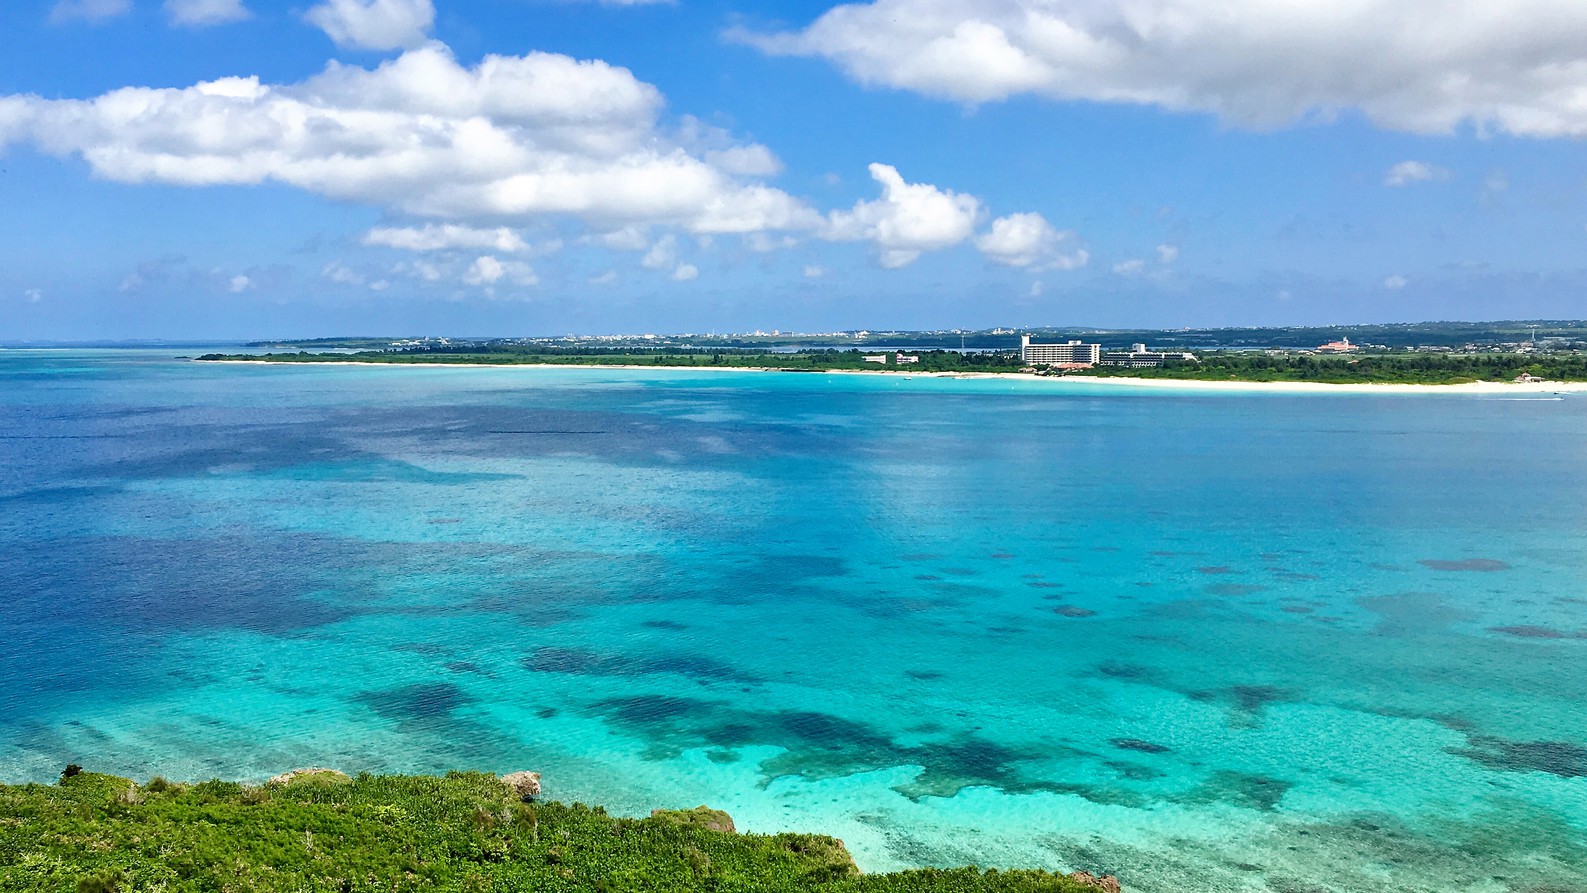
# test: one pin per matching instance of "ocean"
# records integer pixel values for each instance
(1199, 640)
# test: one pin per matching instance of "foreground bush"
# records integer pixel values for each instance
(464, 832)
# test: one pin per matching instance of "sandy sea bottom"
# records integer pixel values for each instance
(1328, 642)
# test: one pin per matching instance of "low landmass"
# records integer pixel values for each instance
(321, 830)
(1404, 367)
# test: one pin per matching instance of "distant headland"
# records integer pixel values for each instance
(1547, 353)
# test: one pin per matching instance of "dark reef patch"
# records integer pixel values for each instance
(1535, 632)
(1476, 565)
(1245, 702)
(1073, 611)
(1215, 570)
(464, 666)
(923, 675)
(819, 745)
(583, 662)
(669, 625)
(1562, 758)
(1240, 789)
(1407, 614)
(1137, 744)
(419, 707)
(1232, 590)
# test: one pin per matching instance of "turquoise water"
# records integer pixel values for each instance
(1202, 641)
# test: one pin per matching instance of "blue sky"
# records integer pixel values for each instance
(242, 168)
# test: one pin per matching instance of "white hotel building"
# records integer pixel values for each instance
(1054, 354)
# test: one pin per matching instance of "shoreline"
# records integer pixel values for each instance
(1315, 387)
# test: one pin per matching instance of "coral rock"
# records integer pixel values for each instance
(1107, 883)
(295, 774)
(527, 784)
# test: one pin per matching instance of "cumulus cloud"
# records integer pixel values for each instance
(685, 272)
(1407, 172)
(1130, 267)
(202, 13)
(446, 237)
(909, 218)
(421, 135)
(1029, 241)
(812, 271)
(1396, 282)
(487, 270)
(609, 277)
(341, 274)
(33, 295)
(1167, 254)
(239, 284)
(374, 24)
(661, 255)
(1424, 66)
(89, 10)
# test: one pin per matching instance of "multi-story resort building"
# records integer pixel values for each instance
(1069, 353)
(1138, 357)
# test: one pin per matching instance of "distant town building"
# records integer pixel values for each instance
(1138, 357)
(876, 358)
(903, 359)
(1343, 345)
(1056, 354)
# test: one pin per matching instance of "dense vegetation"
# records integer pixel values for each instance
(464, 832)
(1408, 368)
(804, 360)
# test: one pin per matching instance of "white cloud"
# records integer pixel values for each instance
(202, 13)
(418, 269)
(513, 137)
(1029, 241)
(753, 160)
(487, 270)
(661, 255)
(34, 295)
(1036, 288)
(629, 238)
(379, 285)
(374, 24)
(1407, 172)
(341, 274)
(239, 284)
(445, 237)
(812, 271)
(764, 243)
(1425, 66)
(1130, 267)
(609, 277)
(1167, 254)
(1396, 282)
(909, 218)
(89, 10)
(685, 272)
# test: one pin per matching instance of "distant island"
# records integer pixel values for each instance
(318, 829)
(1423, 354)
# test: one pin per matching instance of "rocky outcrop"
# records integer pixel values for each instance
(1107, 883)
(698, 817)
(294, 774)
(525, 784)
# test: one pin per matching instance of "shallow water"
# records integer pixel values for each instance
(1234, 641)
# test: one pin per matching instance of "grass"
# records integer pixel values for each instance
(463, 832)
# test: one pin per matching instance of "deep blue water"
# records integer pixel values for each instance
(1201, 640)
